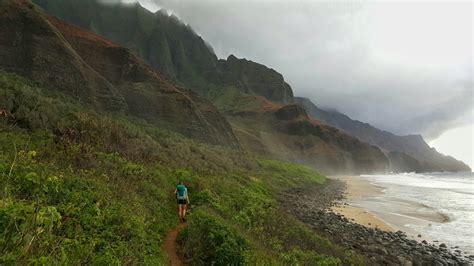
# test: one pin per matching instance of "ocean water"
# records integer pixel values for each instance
(439, 206)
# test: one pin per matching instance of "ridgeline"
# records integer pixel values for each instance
(101, 119)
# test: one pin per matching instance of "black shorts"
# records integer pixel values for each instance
(182, 201)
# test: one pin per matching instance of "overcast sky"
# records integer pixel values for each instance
(402, 66)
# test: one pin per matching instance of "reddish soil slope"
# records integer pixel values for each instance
(101, 73)
(287, 132)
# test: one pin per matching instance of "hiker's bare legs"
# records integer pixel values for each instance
(180, 212)
(184, 210)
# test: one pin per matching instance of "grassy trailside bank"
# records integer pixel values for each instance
(81, 187)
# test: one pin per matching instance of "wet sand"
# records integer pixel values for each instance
(313, 206)
(356, 189)
(364, 205)
(362, 217)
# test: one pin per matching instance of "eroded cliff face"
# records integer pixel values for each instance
(102, 74)
(161, 40)
(254, 78)
(406, 153)
(31, 46)
(171, 47)
(287, 132)
(245, 91)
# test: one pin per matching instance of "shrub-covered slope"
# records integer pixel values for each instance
(406, 153)
(234, 85)
(173, 48)
(288, 133)
(101, 74)
(170, 46)
(85, 187)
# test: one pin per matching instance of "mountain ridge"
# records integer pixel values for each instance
(235, 86)
(411, 150)
(168, 45)
(93, 141)
(287, 132)
(101, 74)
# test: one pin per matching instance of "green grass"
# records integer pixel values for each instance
(81, 187)
(232, 100)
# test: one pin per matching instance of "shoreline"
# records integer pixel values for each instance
(363, 217)
(360, 194)
(313, 205)
(356, 189)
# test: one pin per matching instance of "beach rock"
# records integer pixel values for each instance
(311, 205)
(403, 261)
(382, 251)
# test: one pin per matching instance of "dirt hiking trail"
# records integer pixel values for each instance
(169, 246)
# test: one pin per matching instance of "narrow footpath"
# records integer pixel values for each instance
(169, 246)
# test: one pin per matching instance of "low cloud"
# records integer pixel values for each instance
(404, 67)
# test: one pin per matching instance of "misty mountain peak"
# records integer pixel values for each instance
(232, 57)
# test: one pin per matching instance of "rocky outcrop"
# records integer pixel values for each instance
(403, 163)
(160, 39)
(311, 205)
(171, 47)
(287, 133)
(238, 87)
(102, 74)
(254, 78)
(290, 112)
(407, 153)
(32, 47)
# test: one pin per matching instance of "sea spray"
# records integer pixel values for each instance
(438, 206)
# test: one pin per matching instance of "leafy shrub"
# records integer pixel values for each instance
(50, 214)
(284, 174)
(82, 187)
(298, 257)
(207, 240)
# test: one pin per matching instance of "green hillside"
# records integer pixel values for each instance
(237, 87)
(162, 41)
(84, 187)
(96, 131)
(170, 46)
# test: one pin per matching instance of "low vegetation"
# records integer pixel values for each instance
(83, 187)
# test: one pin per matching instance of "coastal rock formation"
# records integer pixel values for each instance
(237, 87)
(290, 112)
(254, 78)
(102, 74)
(251, 95)
(406, 153)
(312, 205)
(288, 133)
(32, 47)
(402, 162)
(171, 47)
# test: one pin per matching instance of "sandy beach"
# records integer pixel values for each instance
(367, 221)
(363, 205)
(358, 188)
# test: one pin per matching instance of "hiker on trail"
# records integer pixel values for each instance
(182, 198)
